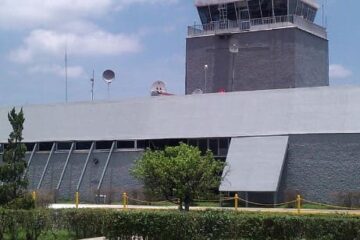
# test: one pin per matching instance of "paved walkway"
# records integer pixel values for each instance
(268, 210)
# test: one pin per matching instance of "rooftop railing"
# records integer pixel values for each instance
(225, 27)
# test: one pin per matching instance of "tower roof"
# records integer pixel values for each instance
(200, 3)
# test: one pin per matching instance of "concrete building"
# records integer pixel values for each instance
(254, 45)
(290, 134)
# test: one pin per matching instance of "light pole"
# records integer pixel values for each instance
(206, 67)
(233, 49)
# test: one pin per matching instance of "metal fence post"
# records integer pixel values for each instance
(33, 196)
(125, 200)
(77, 199)
(236, 201)
(298, 203)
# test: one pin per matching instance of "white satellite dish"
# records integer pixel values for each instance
(108, 76)
(197, 91)
(234, 48)
(158, 88)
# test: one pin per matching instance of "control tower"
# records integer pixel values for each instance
(242, 45)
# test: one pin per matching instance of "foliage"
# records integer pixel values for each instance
(169, 225)
(12, 171)
(179, 172)
(24, 202)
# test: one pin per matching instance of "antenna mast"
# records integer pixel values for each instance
(92, 85)
(66, 74)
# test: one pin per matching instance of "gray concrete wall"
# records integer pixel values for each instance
(282, 58)
(36, 169)
(320, 167)
(118, 180)
(72, 175)
(53, 173)
(311, 60)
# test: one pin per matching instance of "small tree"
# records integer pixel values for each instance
(179, 172)
(12, 182)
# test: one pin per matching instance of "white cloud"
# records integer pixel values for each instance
(338, 71)
(73, 71)
(32, 13)
(44, 13)
(46, 42)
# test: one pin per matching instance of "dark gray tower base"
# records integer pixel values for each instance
(267, 59)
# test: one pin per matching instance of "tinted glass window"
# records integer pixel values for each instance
(204, 14)
(231, 12)
(223, 146)
(266, 8)
(83, 145)
(104, 145)
(193, 142)
(213, 146)
(214, 12)
(143, 144)
(29, 147)
(64, 146)
(280, 7)
(254, 8)
(203, 145)
(45, 146)
(126, 144)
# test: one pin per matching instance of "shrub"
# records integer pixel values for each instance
(25, 202)
(42, 224)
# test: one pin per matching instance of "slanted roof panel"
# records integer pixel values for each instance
(254, 164)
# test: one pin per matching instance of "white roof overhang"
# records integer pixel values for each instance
(238, 114)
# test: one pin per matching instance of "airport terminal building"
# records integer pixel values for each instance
(266, 109)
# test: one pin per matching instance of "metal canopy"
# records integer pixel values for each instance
(254, 164)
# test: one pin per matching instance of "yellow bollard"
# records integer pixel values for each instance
(125, 200)
(298, 203)
(77, 199)
(236, 201)
(33, 195)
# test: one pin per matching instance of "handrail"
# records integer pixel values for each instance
(230, 26)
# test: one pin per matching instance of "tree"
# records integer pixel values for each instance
(13, 183)
(179, 172)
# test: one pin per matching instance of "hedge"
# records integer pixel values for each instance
(82, 223)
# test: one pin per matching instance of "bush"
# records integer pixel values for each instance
(45, 224)
(26, 202)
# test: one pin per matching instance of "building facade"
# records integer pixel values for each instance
(278, 125)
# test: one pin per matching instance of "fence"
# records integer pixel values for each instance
(236, 200)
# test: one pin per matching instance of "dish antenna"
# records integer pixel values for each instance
(197, 91)
(234, 48)
(158, 88)
(108, 76)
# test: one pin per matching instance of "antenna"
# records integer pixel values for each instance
(158, 88)
(326, 16)
(92, 85)
(66, 74)
(197, 91)
(108, 76)
(323, 13)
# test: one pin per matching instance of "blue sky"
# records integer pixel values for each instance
(141, 40)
